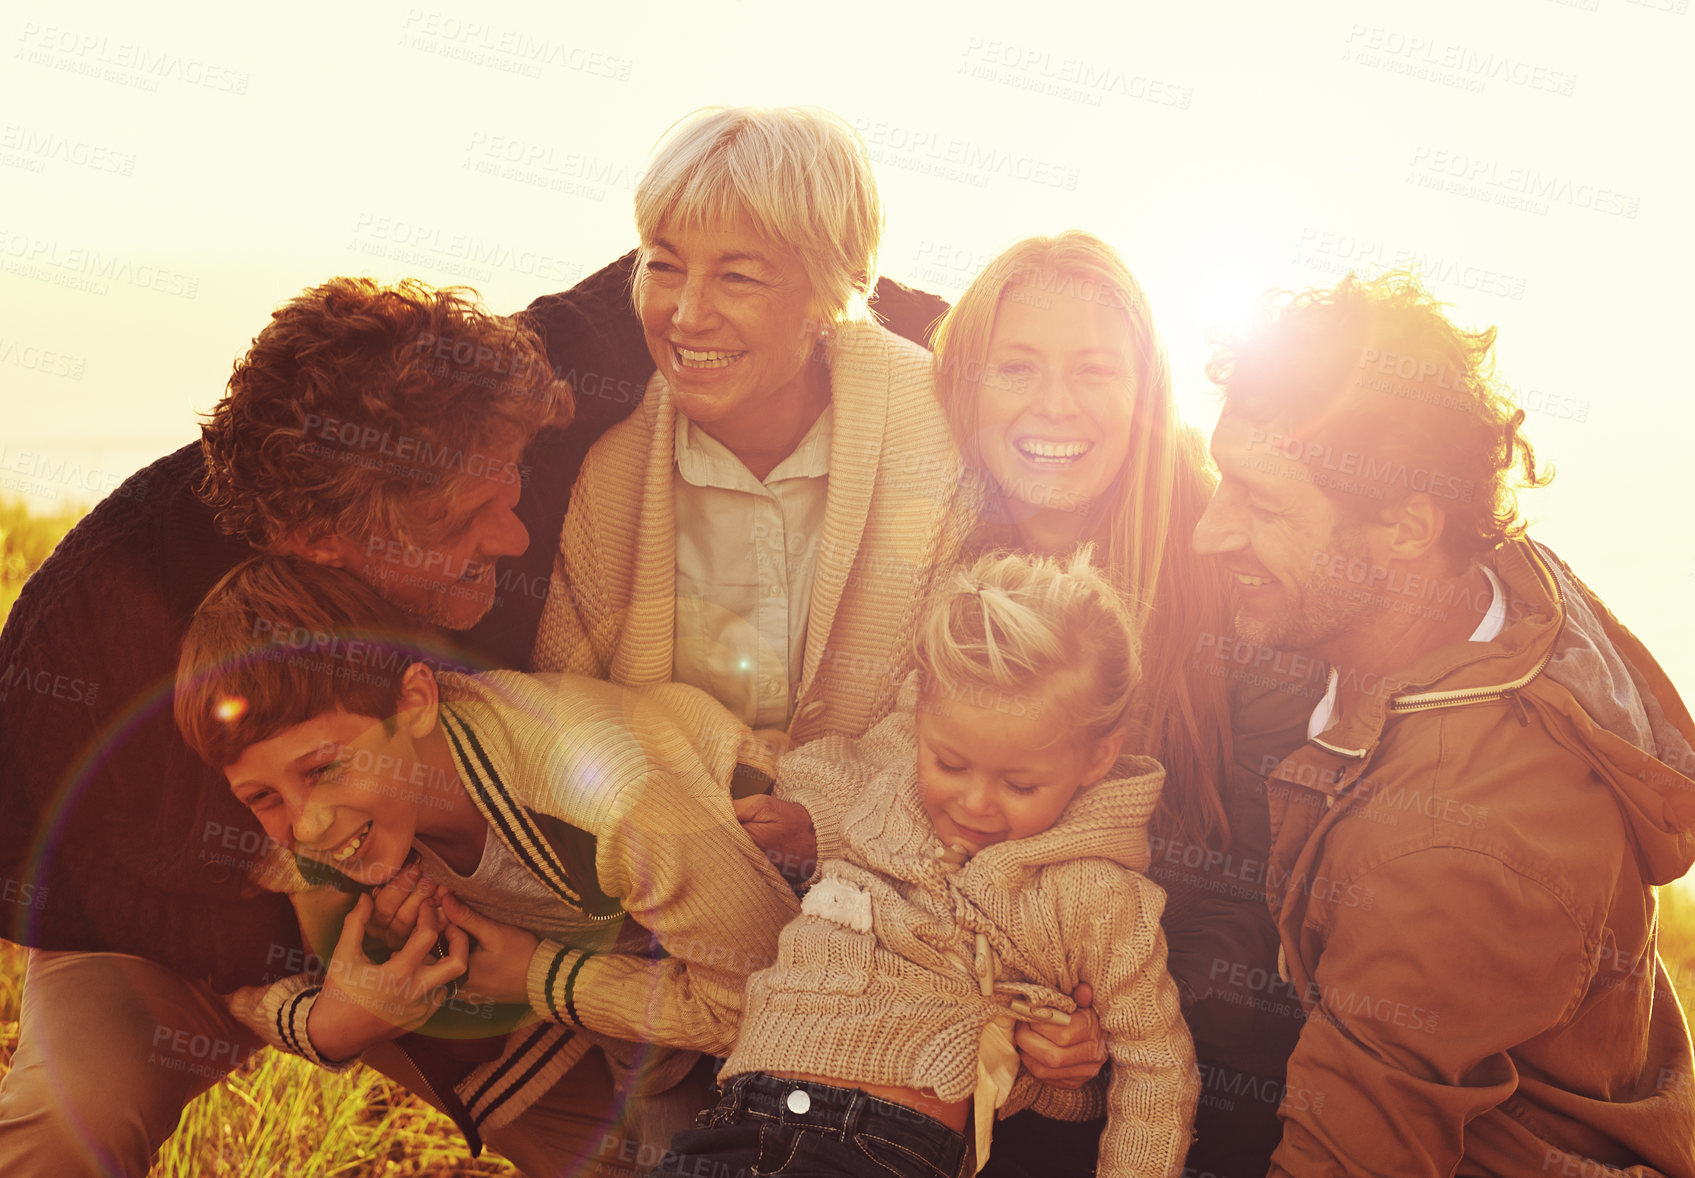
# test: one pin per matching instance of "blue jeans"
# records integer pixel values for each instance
(765, 1125)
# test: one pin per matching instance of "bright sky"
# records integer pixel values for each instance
(171, 174)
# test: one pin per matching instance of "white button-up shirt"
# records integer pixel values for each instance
(746, 552)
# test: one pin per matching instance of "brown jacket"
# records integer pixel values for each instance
(1461, 873)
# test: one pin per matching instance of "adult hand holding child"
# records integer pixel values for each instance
(364, 1003)
(1064, 1055)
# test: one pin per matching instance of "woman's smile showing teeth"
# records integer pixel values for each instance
(1045, 450)
(691, 358)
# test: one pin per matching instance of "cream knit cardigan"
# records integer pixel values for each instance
(893, 517)
(876, 984)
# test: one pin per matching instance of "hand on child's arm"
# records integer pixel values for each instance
(1068, 1056)
(499, 955)
(783, 830)
(364, 1003)
(398, 903)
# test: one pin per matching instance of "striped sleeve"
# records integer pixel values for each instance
(278, 1014)
(685, 871)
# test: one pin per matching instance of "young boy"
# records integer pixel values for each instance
(555, 805)
(983, 849)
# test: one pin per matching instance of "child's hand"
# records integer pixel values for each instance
(499, 956)
(784, 831)
(364, 1003)
(399, 902)
(1064, 1057)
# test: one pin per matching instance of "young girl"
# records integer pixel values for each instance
(982, 853)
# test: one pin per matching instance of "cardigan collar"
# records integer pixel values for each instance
(860, 381)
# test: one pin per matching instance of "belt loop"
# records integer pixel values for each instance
(736, 1090)
(856, 1107)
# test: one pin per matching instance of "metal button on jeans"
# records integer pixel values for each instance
(799, 1101)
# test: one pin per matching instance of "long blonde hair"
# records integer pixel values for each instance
(1182, 714)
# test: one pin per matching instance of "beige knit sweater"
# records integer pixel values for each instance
(647, 772)
(900, 1005)
(891, 520)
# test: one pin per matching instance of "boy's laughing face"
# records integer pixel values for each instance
(340, 788)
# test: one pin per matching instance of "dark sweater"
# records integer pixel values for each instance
(117, 837)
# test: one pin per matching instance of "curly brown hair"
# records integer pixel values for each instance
(1372, 379)
(361, 409)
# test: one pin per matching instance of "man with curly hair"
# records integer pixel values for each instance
(380, 429)
(1465, 850)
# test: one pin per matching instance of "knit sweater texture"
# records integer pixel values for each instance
(681, 906)
(898, 1004)
(892, 518)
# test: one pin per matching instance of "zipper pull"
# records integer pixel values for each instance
(1518, 708)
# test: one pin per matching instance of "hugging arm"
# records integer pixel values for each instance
(1154, 1087)
(683, 869)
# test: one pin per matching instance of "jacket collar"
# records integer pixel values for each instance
(1462, 673)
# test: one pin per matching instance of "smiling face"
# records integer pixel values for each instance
(340, 789)
(1006, 769)
(1057, 398)
(449, 579)
(1284, 542)
(730, 321)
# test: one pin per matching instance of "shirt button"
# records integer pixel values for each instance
(799, 1101)
(773, 688)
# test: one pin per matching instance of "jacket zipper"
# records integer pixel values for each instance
(1508, 691)
(1442, 699)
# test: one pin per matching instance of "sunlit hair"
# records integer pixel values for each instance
(801, 176)
(1375, 370)
(1031, 626)
(1141, 534)
(280, 640)
(361, 410)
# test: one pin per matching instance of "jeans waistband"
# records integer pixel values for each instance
(843, 1112)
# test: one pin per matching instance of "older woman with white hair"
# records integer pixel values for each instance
(765, 524)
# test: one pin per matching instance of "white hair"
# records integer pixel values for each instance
(802, 177)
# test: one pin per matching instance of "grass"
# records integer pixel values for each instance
(1677, 940)
(25, 541)
(280, 1117)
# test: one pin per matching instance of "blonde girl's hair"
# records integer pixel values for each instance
(1024, 626)
(1141, 535)
(801, 175)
